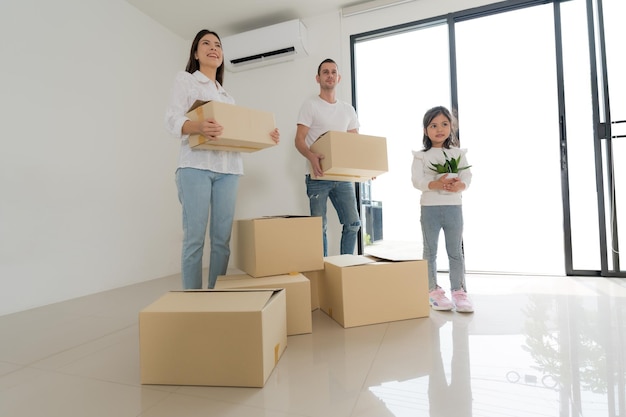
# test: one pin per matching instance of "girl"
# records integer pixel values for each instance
(207, 180)
(441, 204)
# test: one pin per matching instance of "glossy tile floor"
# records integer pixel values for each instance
(536, 346)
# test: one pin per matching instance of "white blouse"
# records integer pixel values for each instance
(186, 90)
(422, 175)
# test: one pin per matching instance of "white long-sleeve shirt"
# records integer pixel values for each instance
(186, 90)
(422, 175)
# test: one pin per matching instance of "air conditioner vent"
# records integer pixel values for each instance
(281, 52)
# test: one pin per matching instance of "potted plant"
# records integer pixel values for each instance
(449, 167)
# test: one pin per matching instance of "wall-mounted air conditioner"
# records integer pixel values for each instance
(268, 45)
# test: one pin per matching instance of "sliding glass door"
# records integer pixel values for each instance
(541, 110)
(507, 101)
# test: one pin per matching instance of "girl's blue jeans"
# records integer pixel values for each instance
(450, 220)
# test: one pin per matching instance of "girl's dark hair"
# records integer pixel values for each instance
(453, 139)
(193, 65)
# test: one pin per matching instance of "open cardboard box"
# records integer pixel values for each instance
(213, 337)
(358, 290)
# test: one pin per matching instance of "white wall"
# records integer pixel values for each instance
(88, 200)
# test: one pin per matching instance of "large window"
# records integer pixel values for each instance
(524, 94)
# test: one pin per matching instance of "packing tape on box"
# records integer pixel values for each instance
(276, 353)
(340, 175)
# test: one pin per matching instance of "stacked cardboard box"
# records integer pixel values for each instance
(279, 245)
(314, 278)
(297, 291)
(274, 252)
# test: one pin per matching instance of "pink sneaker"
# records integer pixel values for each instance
(439, 301)
(462, 303)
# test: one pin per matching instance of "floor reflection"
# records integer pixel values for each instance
(548, 355)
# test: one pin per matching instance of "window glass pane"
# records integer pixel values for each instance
(615, 33)
(508, 119)
(399, 77)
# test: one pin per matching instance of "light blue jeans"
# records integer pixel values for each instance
(343, 197)
(450, 219)
(202, 192)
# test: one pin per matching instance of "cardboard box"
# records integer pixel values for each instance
(245, 130)
(213, 337)
(314, 278)
(358, 290)
(297, 290)
(351, 156)
(279, 245)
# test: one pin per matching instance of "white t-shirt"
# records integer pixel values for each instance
(321, 116)
(186, 90)
(422, 175)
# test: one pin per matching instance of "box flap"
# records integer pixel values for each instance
(212, 301)
(282, 216)
(197, 104)
(275, 281)
(343, 261)
(404, 252)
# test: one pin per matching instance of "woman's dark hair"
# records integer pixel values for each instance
(193, 65)
(453, 139)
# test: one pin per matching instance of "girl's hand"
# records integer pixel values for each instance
(456, 186)
(452, 185)
(210, 129)
(275, 134)
(446, 184)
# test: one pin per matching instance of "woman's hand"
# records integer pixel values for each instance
(210, 129)
(275, 134)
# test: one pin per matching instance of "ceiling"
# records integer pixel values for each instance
(187, 17)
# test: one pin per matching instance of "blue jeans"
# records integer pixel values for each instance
(200, 192)
(343, 197)
(450, 219)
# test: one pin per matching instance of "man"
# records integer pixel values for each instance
(318, 115)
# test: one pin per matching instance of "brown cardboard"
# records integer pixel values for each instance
(351, 156)
(314, 277)
(357, 290)
(213, 337)
(245, 130)
(277, 245)
(297, 291)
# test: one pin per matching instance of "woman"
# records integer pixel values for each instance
(207, 180)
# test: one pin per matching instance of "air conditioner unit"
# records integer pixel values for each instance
(268, 45)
